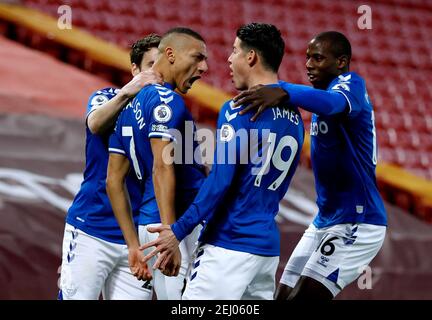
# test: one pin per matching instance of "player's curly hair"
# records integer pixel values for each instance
(142, 46)
(266, 39)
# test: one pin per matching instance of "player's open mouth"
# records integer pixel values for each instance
(231, 74)
(311, 77)
(192, 80)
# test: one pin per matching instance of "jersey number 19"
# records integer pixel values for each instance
(274, 155)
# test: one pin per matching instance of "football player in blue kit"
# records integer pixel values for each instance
(253, 166)
(94, 258)
(152, 125)
(350, 226)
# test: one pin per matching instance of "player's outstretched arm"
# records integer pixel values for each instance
(318, 101)
(118, 168)
(103, 117)
(203, 207)
(164, 182)
(260, 98)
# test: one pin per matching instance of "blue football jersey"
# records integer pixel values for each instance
(91, 210)
(344, 157)
(159, 112)
(253, 166)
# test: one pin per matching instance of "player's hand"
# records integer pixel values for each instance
(138, 268)
(170, 264)
(139, 81)
(166, 244)
(259, 97)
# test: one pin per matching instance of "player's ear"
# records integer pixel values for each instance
(342, 62)
(135, 69)
(252, 57)
(169, 52)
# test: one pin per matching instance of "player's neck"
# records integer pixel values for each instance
(342, 71)
(164, 70)
(263, 77)
(325, 85)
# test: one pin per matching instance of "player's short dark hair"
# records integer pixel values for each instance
(266, 40)
(339, 44)
(142, 46)
(184, 30)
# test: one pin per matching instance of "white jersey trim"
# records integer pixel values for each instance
(346, 97)
(115, 150)
(161, 135)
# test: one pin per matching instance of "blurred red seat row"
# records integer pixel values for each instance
(395, 57)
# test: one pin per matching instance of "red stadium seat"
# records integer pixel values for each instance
(394, 57)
